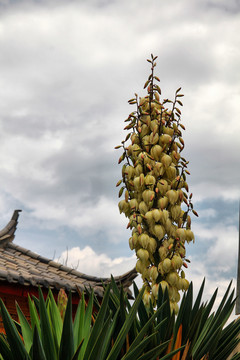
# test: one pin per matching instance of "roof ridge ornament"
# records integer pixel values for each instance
(7, 234)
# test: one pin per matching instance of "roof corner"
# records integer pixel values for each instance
(7, 234)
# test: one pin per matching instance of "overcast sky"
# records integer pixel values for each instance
(67, 70)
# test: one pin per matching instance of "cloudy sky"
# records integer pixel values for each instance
(67, 70)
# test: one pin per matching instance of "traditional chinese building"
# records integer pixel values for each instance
(23, 271)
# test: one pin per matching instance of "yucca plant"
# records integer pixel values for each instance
(203, 333)
(112, 333)
(120, 329)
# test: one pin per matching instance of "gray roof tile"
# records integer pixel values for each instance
(25, 267)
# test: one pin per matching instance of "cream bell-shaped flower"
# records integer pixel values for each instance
(149, 217)
(167, 265)
(123, 206)
(176, 212)
(172, 196)
(152, 245)
(165, 139)
(155, 290)
(162, 252)
(166, 160)
(159, 231)
(189, 236)
(133, 204)
(153, 273)
(162, 186)
(158, 169)
(150, 180)
(138, 169)
(157, 214)
(131, 243)
(143, 208)
(164, 285)
(146, 298)
(156, 152)
(181, 234)
(163, 203)
(168, 130)
(129, 171)
(174, 307)
(172, 278)
(143, 240)
(185, 284)
(148, 196)
(143, 255)
(176, 262)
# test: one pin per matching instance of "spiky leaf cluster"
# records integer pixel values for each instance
(154, 187)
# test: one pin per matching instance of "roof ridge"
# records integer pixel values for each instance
(128, 276)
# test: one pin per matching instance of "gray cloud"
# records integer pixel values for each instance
(67, 70)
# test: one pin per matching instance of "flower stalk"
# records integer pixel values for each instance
(155, 191)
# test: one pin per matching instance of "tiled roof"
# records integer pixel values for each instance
(19, 265)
